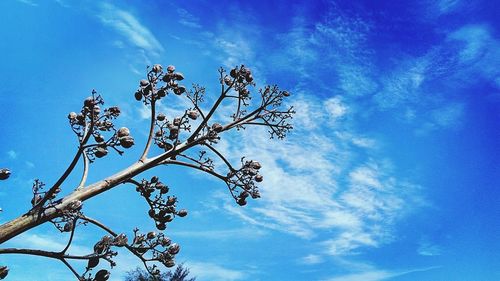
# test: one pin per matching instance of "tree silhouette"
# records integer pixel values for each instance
(180, 274)
(189, 140)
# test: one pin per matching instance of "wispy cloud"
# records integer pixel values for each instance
(377, 275)
(428, 249)
(188, 19)
(28, 2)
(212, 271)
(311, 259)
(246, 233)
(12, 154)
(448, 116)
(311, 184)
(127, 25)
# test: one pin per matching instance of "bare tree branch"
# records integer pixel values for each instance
(97, 134)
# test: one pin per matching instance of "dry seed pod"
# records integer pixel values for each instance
(123, 132)
(4, 271)
(233, 72)
(162, 93)
(157, 68)
(193, 114)
(99, 138)
(93, 262)
(68, 227)
(182, 213)
(4, 174)
(72, 116)
(177, 121)
(160, 117)
(170, 68)
(165, 241)
(143, 83)
(97, 110)
(126, 141)
(256, 165)
(169, 263)
(179, 90)
(89, 102)
(138, 96)
(151, 235)
(120, 240)
(178, 76)
(100, 152)
(217, 127)
(244, 92)
(259, 178)
(241, 202)
(102, 275)
(174, 249)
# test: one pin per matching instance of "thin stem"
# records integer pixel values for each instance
(70, 167)
(211, 112)
(220, 156)
(70, 237)
(42, 253)
(180, 163)
(195, 104)
(108, 230)
(71, 268)
(151, 128)
(85, 170)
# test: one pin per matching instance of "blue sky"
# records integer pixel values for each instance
(392, 171)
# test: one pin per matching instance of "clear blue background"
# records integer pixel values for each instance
(392, 171)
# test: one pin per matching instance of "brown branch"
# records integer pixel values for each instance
(220, 156)
(211, 112)
(180, 163)
(85, 170)
(151, 129)
(68, 171)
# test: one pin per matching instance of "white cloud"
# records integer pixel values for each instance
(188, 19)
(476, 39)
(335, 108)
(311, 183)
(12, 154)
(129, 27)
(376, 275)
(28, 2)
(47, 243)
(448, 116)
(212, 271)
(446, 6)
(428, 249)
(246, 233)
(311, 259)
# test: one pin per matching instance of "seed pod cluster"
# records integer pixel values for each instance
(150, 89)
(39, 192)
(161, 247)
(168, 132)
(276, 119)
(242, 182)
(241, 74)
(162, 208)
